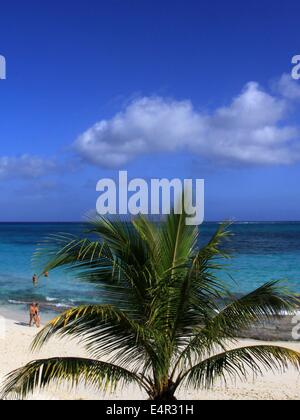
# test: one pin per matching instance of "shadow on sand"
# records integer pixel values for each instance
(22, 324)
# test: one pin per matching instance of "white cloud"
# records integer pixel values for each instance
(250, 130)
(288, 87)
(25, 166)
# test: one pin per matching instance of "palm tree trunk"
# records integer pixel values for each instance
(165, 394)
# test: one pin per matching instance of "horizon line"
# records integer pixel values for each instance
(206, 221)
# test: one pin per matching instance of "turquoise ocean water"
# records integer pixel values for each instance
(260, 251)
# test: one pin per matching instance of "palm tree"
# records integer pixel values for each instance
(164, 320)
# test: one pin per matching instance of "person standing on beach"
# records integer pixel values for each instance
(32, 311)
(37, 317)
(34, 314)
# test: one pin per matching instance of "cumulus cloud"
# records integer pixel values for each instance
(288, 87)
(25, 166)
(251, 129)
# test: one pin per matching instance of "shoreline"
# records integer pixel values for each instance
(21, 314)
(279, 329)
(15, 352)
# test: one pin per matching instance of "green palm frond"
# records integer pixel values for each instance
(122, 239)
(106, 332)
(175, 244)
(240, 363)
(264, 303)
(214, 248)
(42, 373)
(196, 295)
(94, 262)
(77, 254)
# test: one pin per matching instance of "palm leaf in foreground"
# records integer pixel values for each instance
(241, 363)
(42, 373)
(165, 319)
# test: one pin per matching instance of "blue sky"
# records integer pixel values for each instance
(172, 88)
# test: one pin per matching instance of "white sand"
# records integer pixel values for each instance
(14, 350)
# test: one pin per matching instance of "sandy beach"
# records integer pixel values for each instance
(14, 349)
